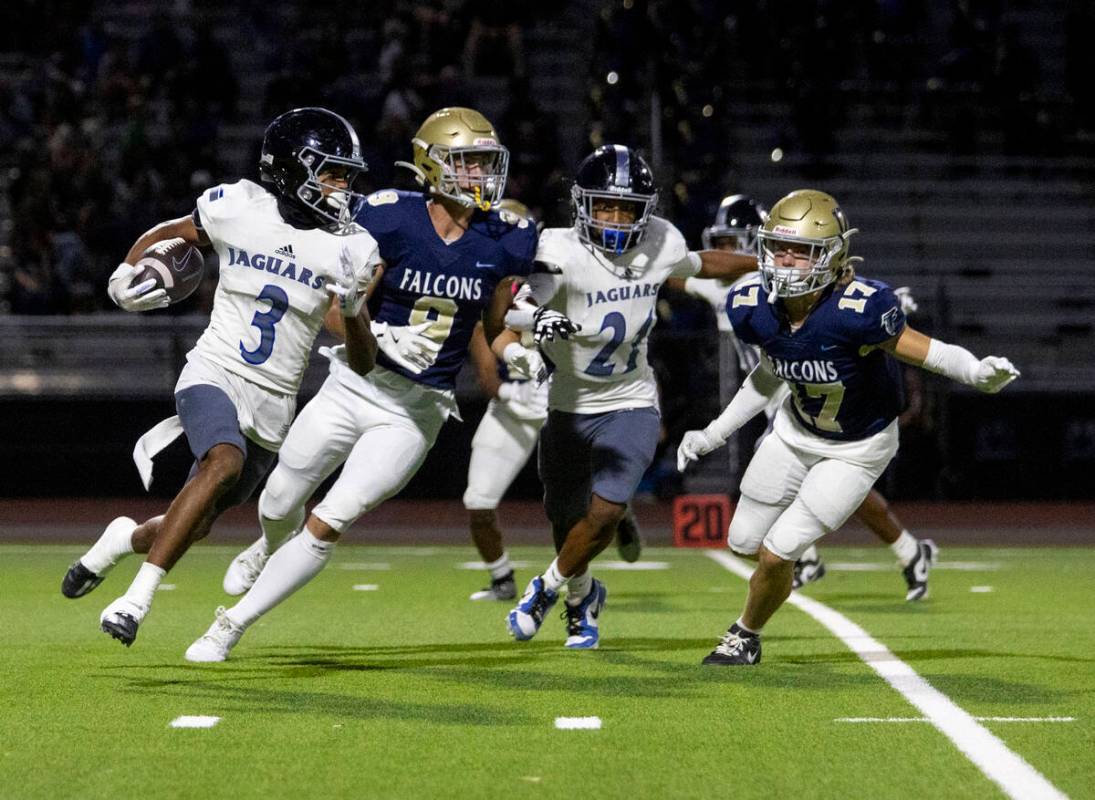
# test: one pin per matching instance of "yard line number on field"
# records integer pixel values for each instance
(1006, 769)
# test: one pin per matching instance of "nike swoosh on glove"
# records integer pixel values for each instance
(141, 297)
(993, 374)
(407, 345)
(694, 445)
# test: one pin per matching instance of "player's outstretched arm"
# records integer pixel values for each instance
(724, 265)
(989, 374)
(754, 394)
(484, 361)
(143, 297)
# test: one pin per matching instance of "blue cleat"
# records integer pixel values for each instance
(525, 620)
(582, 631)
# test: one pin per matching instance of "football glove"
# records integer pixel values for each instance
(993, 374)
(142, 297)
(525, 399)
(547, 324)
(523, 362)
(407, 345)
(907, 301)
(348, 287)
(694, 445)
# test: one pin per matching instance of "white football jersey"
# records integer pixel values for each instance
(604, 366)
(271, 296)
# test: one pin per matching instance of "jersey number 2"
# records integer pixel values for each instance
(601, 365)
(265, 322)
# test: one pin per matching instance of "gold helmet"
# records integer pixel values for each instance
(812, 223)
(457, 155)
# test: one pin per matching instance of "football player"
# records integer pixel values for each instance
(826, 333)
(448, 255)
(603, 425)
(738, 220)
(502, 444)
(285, 246)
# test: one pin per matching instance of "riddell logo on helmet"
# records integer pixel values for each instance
(485, 140)
(784, 229)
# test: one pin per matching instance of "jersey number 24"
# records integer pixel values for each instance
(602, 364)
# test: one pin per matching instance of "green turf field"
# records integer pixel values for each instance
(409, 690)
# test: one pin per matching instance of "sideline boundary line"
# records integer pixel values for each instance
(1007, 769)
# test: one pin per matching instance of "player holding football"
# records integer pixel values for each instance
(284, 246)
(447, 257)
(738, 220)
(603, 273)
(826, 333)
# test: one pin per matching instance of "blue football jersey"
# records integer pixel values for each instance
(449, 285)
(842, 387)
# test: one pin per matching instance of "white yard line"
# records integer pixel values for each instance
(1006, 769)
(578, 723)
(979, 719)
(194, 722)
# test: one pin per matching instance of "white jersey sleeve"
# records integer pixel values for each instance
(271, 295)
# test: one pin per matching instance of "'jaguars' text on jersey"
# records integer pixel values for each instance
(271, 295)
(448, 284)
(843, 386)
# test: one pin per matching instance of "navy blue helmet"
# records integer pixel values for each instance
(616, 173)
(300, 146)
(738, 219)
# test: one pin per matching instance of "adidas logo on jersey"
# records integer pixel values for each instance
(285, 251)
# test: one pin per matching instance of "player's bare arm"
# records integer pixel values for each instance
(181, 228)
(723, 265)
(485, 362)
(989, 374)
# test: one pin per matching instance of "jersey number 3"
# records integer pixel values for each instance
(265, 322)
(601, 365)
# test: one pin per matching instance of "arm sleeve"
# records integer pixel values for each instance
(952, 361)
(754, 394)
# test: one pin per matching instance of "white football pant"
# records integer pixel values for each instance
(502, 444)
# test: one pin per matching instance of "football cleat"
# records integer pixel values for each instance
(245, 568)
(916, 573)
(121, 619)
(736, 647)
(628, 539)
(525, 620)
(807, 570)
(504, 588)
(581, 618)
(216, 643)
(79, 580)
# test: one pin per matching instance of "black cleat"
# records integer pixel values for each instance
(122, 627)
(628, 539)
(735, 648)
(504, 588)
(79, 580)
(807, 571)
(916, 573)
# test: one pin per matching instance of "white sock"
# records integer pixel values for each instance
(810, 554)
(741, 625)
(500, 568)
(144, 584)
(294, 564)
(578, 587)
(115, 543)
(905, 548)
(553, 579)
(277, 532)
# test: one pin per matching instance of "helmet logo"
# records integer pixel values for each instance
(784, 230)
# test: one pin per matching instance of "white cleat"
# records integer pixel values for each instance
(121, 619)
(217, 642)
(246, 568)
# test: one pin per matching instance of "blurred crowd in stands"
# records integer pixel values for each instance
(114, 116)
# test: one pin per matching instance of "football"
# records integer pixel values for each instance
(175, 265)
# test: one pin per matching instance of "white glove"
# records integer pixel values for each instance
(905, 298)
(524, 363)
(407, 345)
(348, 288)
(547, 324)
(696, 444)
(993, 374)
(524, 398)
(141, 297)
